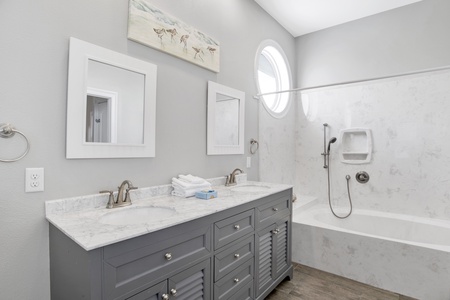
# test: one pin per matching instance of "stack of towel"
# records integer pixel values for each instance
(187, 185)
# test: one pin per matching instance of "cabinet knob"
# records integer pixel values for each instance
(236, 280)
(236, 255)
(173, 292)
(276, 231)
(237, 227)
(275, 209)
(165, 297)
(168, 256)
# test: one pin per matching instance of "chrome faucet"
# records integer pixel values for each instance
(121, 201)
(231, 179)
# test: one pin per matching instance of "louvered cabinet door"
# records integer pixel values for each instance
(192, 284)
(264, 258)
(273, 255)
(282, 253)
(156, 292)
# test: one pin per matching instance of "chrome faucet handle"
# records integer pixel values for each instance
(127, 193)
(227, 180)
(362, 177)
(111, 200)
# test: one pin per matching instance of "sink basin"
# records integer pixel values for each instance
(136, 215)
(250, 188)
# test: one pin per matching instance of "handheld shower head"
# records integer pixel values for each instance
(332, 140)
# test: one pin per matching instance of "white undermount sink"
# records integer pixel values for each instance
(136, 215)
(250, 188)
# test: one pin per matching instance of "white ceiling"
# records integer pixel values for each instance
(304, 16)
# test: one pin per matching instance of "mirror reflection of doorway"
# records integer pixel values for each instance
(98, 130)
(101, 120)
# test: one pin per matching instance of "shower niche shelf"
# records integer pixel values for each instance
(356, 145)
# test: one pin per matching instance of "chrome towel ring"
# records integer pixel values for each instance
(252, 143)
(7, 131)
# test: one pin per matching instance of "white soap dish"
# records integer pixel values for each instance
(356, 145)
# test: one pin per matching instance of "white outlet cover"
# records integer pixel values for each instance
(34, 180)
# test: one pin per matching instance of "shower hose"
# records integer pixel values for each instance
(329, 193)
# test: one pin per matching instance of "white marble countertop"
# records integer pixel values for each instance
(80, 218)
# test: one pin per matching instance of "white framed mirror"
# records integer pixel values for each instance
(111, 104)
(226, 119)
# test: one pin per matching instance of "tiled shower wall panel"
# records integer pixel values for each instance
(409, 117)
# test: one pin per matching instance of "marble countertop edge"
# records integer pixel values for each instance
(82, 225)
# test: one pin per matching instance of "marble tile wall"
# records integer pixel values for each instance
(409, 117)
(277, 146)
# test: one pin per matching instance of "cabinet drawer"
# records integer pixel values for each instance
(272, 211)
(232, 228)
(231, 257)
(245, 293)
(134, 269)
(231, 283)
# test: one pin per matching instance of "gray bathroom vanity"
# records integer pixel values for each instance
(241, 250)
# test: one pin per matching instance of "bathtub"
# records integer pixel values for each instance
(403, 254)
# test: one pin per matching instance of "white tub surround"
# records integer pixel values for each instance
(79, 217)
(408, 120)
(404, 254)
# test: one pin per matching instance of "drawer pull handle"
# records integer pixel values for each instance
(275, 209)
(168, 256)
(165, 297)
(236, 255)
(237, 227)
(236, 280)
(173, 292)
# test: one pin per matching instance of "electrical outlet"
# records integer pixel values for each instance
(34, 180)
(249, 162)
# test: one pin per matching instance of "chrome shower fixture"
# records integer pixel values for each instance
(326, 165)
(362, 177)
(326, 149)
(324, 145)
(332, 140)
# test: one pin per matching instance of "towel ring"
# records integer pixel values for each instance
(252, 143)
(7, 131)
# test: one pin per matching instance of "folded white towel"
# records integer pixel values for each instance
(187, 185)
(191, 179)
(198, 188)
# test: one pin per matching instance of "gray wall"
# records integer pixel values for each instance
(414, 37)
(33, 84)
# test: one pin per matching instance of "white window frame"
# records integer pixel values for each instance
(273, 109)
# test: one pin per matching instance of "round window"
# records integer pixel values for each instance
(273, 75)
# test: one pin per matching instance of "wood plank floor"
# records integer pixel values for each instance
(313, 284)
